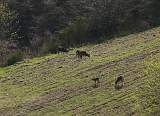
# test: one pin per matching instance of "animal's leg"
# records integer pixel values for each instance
(81, 56)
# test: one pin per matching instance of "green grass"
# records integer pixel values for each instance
(150, 91)
(60, 84)
(2, 71)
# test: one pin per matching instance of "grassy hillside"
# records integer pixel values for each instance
(60, 84)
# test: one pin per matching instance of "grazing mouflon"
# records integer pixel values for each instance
(80, 54)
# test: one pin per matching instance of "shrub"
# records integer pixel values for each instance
(16, 57)
(49, 46)
(75, 33)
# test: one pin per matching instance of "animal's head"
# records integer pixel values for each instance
(77, 51)
(95, 79)
(120, 78)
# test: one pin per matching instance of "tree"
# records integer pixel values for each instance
(7, 22)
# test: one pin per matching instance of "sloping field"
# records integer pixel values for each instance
(62, 84)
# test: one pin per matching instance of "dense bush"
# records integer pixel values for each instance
(16, 57)
(78, 20)
(75, 33)
(49, 46)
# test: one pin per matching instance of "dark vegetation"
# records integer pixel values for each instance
(38, 27)
(17, 56)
